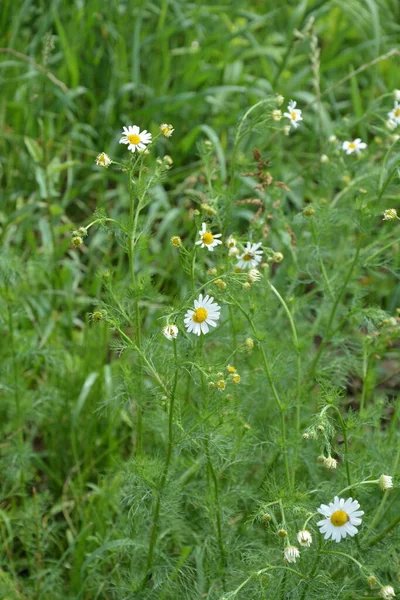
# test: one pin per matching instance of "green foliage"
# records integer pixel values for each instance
(137, 467)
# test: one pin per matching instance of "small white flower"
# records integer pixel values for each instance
(304, 538)
(206, 313)
(279, 100)
(135, 139)
(396, 95)
(391, 125)
(276, 115)
(233, 251)
(332, 139)
(231, 242)
(355, 146)
(394, 114)
(166, 129)
(207, 239)
(251, 256)
(341, 518)
(389, 214)
(170, 332)
(254, 275)
(324, 158)
(387, 592)
(103, 160)
(330, 463)
(293, 114)
(385, 482)
(286, 129)
(291, 554)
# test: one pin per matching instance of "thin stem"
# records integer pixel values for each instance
(321, 262)
(275, 393)
(298, 376)
(164, 476)
(346, 441)
(335, 306)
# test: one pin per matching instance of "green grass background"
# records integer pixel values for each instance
(67, 429)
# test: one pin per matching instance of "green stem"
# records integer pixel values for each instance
(270, 380)
(164, 476)
(335, 306)
(346, 441)
(321, 262)
(298, 376)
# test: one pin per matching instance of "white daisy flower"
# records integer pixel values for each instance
(254, 275)
(293, 114)
(387, 592)
(170, 332)
(207, 239)
(251, 256)
(341, 518)
(391, 125)
(394, 114)
(205, 315)
(385, 482)
(355, 146)
(135, 139)
(291, 554)
(103, 160)
(166, 129)
(389, 214)
(304, 538)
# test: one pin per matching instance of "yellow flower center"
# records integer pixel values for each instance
(134, 138)
(339, 518)
(352, 145)
(397, 112)
(207, 238)
(248, 256)
(200, 315)
(293, 115)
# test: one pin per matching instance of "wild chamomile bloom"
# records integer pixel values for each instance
(341, 518)
(205, 315)
(389, 214)
(251, 257)
(385, 482)
(394, 114)
(293, 114)
(355, 146)
(166, 129)
(304, 538)
(207, 239)
(135, 139)
(170, 332)
(291, 554)
(103, 160)
(387, 592)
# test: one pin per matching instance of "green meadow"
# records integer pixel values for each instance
(199, 300)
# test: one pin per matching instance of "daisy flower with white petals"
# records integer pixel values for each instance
(207, 239)
(387, 592)
(341, 518)
(205, 315)
(304, 538)
(291, 554)
(103, 160)
(293, 114)
(135, 139)
(394, 114)
(170, 332)
(251, 257)
(355, 146)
